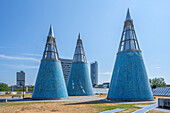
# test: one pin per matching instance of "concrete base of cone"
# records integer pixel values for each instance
(48, 98)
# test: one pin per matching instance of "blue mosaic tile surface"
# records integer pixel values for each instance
(50, 82)
(129, 79)
(79, 82)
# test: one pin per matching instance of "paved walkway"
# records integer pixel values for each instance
(72, 98)
(146, 109)
(113, 111)
(143, 110)
(83, 98)
(126, 102)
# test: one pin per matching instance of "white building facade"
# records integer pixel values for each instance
(66, 66)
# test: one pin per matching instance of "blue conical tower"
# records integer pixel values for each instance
(79, 82)
(50, 82)
(129, 80)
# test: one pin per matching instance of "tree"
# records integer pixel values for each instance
(159, 82)
(3, 87)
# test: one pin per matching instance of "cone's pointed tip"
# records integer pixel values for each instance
(51, 33)
(79, 37)
(128, 17)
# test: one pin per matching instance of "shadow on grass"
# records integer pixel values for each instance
(105, 105)
(89, 102)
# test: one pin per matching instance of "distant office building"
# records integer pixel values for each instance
(20, 78)
(66, 65)
(94, 73)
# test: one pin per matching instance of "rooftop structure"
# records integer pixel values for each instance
(50, 82)
(129, 80)
(79, 82)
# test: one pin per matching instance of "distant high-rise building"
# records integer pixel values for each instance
(94, 73)
(66, 65)
(20, 78)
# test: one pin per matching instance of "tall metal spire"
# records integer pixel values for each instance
(50, 51)
(79, 55)
(128, 17)
(51, 33)
(79, 37)
(128, 40)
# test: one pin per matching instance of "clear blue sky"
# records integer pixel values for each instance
(24, 28)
